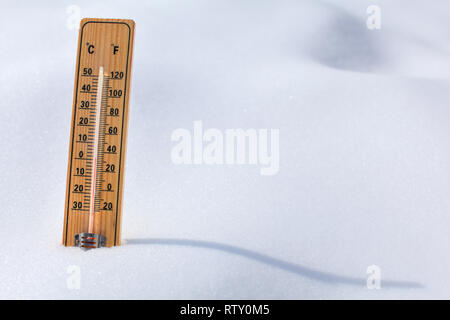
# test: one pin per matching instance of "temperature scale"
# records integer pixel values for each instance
(98, 133)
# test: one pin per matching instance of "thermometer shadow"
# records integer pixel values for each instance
(297, 269)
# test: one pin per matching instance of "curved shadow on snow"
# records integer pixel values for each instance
(274, 262)
(346, 43)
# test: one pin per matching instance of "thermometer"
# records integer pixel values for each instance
(93, 208)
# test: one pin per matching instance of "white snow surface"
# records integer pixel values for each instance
(364, 173)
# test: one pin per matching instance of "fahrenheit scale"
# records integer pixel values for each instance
(98, 133)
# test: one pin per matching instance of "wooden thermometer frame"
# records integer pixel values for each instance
(98, 134)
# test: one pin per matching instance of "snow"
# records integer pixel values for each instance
(364, 151)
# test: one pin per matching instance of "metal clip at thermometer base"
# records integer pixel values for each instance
(88, 241)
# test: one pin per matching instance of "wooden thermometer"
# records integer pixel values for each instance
(98, 133)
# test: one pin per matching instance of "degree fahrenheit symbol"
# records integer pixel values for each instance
(115, 49)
